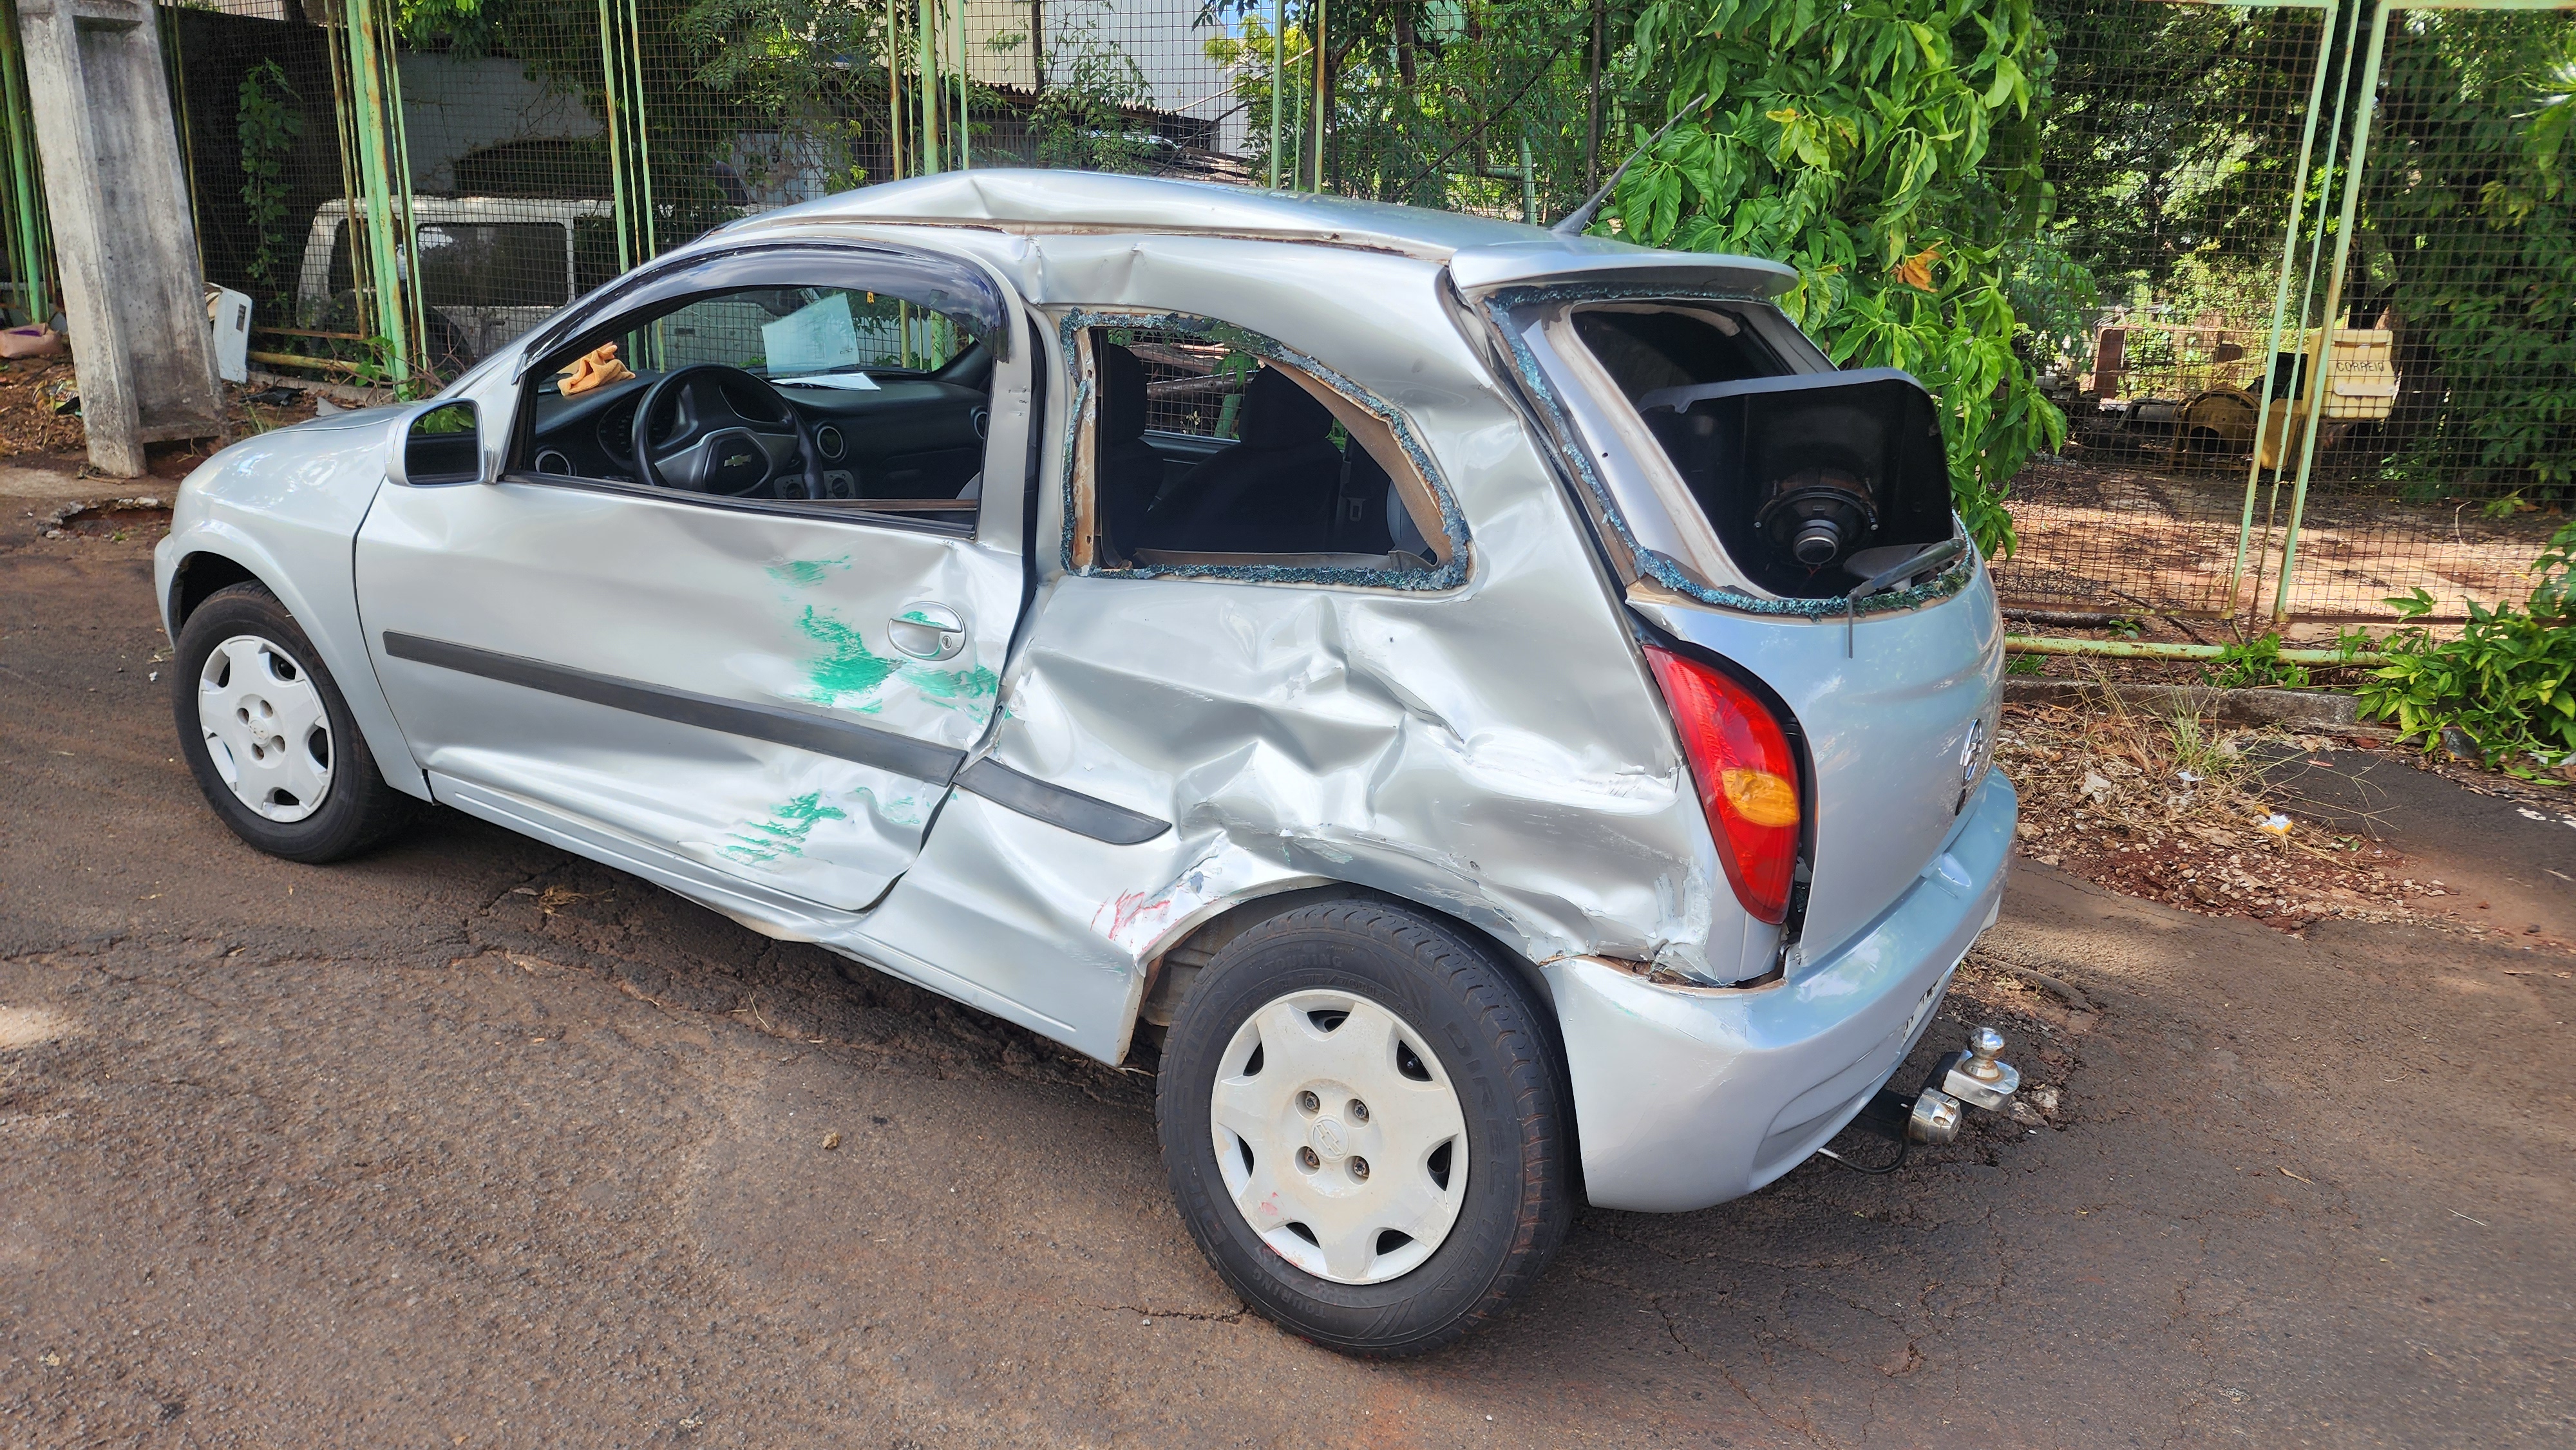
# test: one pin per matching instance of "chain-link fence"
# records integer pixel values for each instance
(2446, 439)
(2175, 146)
(2303, 301)
(2305, 295)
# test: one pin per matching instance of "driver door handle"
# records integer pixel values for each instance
(927, 632)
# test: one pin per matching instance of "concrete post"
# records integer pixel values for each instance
(124, 238)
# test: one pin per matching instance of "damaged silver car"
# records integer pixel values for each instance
(1493, 715)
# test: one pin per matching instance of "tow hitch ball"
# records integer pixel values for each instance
(1958, 1081)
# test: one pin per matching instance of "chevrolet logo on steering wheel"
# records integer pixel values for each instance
(738, 460)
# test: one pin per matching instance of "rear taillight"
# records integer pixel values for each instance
(1748, 780)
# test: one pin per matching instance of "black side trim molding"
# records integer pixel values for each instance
(840, 739)
(1081, 814)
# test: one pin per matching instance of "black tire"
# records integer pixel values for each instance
(358, 808)
(1447, 988)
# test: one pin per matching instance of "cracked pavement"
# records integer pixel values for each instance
(474, 1143)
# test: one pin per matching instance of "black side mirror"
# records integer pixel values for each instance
(442, 444)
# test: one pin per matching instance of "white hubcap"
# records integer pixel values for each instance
(265, 728)
(1339, 1137)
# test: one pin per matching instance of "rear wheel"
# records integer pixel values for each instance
(1363, 1129)
(270, 739)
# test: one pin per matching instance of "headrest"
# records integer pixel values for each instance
(1277, 413)
(1122, 395)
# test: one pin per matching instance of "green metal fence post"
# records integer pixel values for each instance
(2335, 139)
(30, 233)
(1323, 97)
(2322, 375)
(1297, 162)
(630, 156)
(2355, 177)
(965, 133)
(639, 127)
(413, 294)
(613, 105)
(1278, 79)
(2281, 289)
(377, 139)
(928, 59)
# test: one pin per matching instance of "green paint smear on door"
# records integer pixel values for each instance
(956, 689)
(847, 675)
(807, 573)
(760, 842)
(846, 667)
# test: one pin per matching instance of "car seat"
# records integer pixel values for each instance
(1274, 491)
(1128, 471)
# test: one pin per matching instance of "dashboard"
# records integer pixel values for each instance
(910, 437)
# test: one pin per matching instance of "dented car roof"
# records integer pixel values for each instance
(1481, 252)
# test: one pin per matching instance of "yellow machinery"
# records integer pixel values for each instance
(2361, 386)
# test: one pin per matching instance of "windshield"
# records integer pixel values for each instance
(829, 337)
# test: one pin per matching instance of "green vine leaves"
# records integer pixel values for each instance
(270, 122)
(1888, 150)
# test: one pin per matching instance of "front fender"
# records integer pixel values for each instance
(286, 506)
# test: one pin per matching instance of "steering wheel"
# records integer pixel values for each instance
(714, 448)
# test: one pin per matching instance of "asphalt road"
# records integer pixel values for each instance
(473, 1143)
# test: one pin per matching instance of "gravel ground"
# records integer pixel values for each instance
(474, 1143)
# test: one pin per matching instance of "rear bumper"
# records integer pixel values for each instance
(1685, 1097)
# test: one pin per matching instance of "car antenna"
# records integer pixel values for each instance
(1581, 217)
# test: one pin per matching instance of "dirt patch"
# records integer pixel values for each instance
(2118, 536)
(2172, 810)
(32, 425)
(29, 423)
(117, 520)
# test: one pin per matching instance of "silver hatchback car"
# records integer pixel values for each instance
(1492, 715)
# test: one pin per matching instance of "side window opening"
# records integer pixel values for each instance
(1206, 449)
(837, 398)
(1808, 482)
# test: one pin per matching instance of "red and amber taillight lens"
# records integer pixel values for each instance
(1748, 780)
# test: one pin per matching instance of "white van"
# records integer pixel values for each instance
(490, 267)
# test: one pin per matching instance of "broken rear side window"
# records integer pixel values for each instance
(1206, 449)
(1809, 481)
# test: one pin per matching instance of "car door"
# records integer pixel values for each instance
(775, 688)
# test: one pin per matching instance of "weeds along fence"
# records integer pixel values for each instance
(2306, 292)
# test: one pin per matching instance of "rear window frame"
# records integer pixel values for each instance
(1659, 554)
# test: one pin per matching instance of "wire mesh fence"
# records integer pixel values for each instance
(2448, 420)
(2305, 294)
(2302, 303)
(2176, 147)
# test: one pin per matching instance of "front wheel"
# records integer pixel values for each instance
(268, 736)
(1363, 1127)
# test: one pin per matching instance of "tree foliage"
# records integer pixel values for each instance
(1433, 102)
(2469, 249)
(1886, 149)
(2170, 144)
(270, 122)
